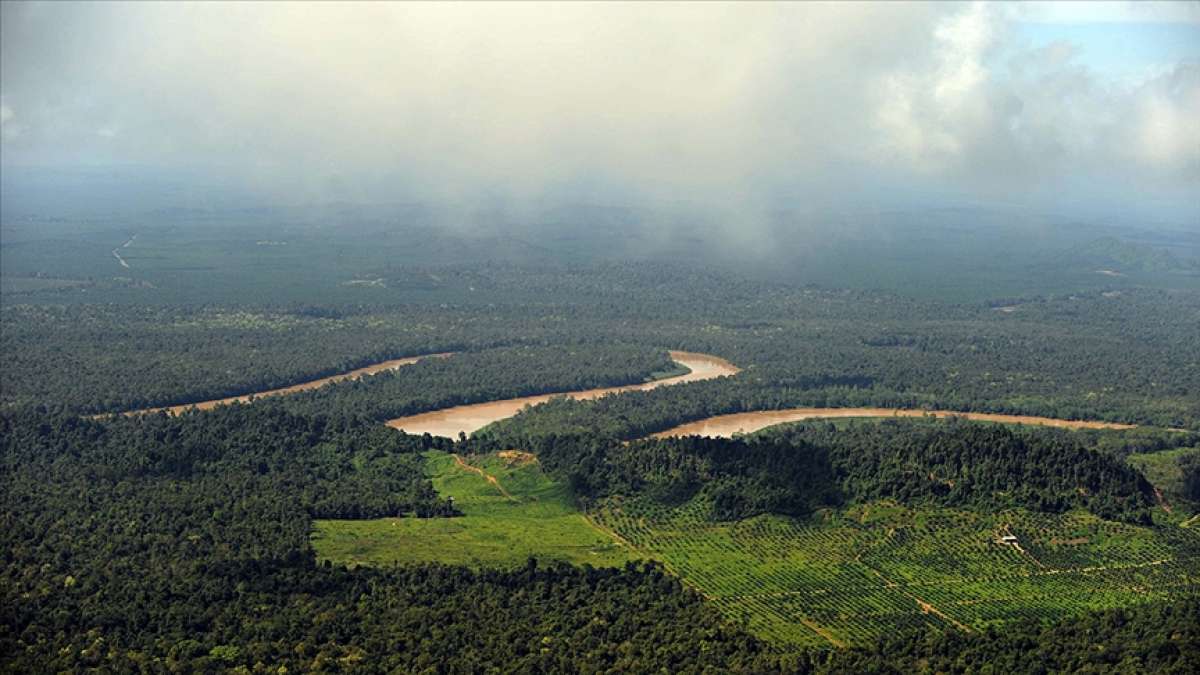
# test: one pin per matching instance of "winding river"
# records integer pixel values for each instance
(449, 422)
(303, 386)
(728, 425)
(470, 418)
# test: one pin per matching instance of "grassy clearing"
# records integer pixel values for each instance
(535, 518)
(841, 577)
(1163, 472)
(849, 577)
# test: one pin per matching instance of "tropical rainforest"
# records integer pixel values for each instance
(248, 537)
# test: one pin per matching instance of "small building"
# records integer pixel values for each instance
(1008, 539)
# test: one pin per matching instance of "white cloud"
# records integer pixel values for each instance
(1130, 11)
(927, 116)
(1033, 115)
(710, 102)
(1167, 122)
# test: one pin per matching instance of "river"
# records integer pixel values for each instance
(303, 386)
(449, 422)
(728, 425)
(467, 419)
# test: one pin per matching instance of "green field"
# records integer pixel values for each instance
(535, 518)
(843, 577)
(849, 577)
(1163, 471)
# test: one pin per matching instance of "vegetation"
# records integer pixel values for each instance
(1125, 358)
(484, 376)
(144, 357)
(980, 466)
(299, 533)
(850, 577)
(159, 543)
(1175, 474)
(797, 469)
(1189, 469)
(419, 253)
(1150, 638)
(522, 514)
(754, 526)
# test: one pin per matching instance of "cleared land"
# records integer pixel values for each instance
(842, 577)
(518, 514)
(849, 577)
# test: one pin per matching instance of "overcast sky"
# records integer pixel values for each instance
(734, 104)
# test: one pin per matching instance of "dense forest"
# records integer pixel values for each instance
(1145, 639)
(1189, 466)
(796, 469)
(163, 543)
(158, 543)
(1129, 356)
(180, 543)
(135, 358)
(487, 375)
(980, 466)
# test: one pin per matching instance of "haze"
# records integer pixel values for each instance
(732, 108)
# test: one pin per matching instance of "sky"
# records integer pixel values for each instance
(733, 108)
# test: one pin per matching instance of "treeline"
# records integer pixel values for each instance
(477, 377)
(1127, 358)
(1151, 638)
(639, 414)
(1189, 468)
(1122, 358)
(796, 469)
(134, 357)
(330, 467)
(982, 466)
(139, 357)
(181, 543)
(1125, 442)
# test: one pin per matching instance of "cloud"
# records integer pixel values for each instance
(981, 109)
(933, 116)
(1165, 123)
(728, 105)
(1107, 11)
(9, 129)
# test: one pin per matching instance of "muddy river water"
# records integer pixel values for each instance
(470, 418)
(449, 422)
(303, 386)
(728, 425)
